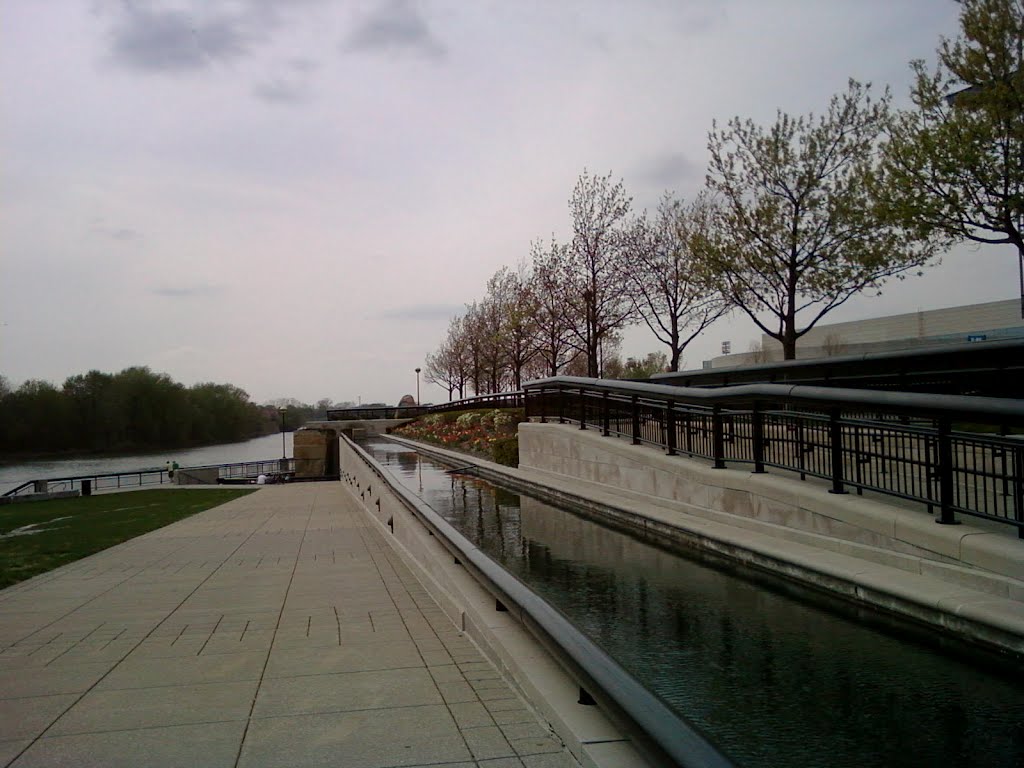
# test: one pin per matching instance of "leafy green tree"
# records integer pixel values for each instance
(40, 419)
(799, 231)
(93, 417)
(553, 318)
(645, 367)
(956, 162)
(511, 293)
(592, 268)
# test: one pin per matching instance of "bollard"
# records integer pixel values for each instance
(87, 487)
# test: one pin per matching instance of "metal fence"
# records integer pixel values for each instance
(954, 454)
(114, 481)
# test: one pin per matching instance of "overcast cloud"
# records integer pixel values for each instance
(295, 197)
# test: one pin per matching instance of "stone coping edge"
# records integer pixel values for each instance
(989, 621)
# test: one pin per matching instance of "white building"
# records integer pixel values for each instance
(992, 321)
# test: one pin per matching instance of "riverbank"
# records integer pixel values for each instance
(257, 449)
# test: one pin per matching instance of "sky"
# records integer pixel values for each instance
(296, 196)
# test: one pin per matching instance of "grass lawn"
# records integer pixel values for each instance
(66, 530)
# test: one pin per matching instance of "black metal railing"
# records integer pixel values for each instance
(371, 413)
(493, 400)
(376, 412)
(114, 481)
(953, 454)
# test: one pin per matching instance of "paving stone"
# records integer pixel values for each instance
(27, 718)
(167, 705)
(11, 749)
(208, 744)
(456, 692)
(367, 739)
(300, 661)
(143, 672)
(533, 745)
(504, 762)
(448, 673)
(21, 682)
(344, 692)
(487, 742)
(471, 714)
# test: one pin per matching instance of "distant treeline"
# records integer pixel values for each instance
(134, 410)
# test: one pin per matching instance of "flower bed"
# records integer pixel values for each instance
(489, 434)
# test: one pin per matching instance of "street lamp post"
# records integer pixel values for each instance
(284, 455)
(417, 386)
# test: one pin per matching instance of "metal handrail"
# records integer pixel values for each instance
(512, 399)
(606, 680)
(925, 448)
(151, 476)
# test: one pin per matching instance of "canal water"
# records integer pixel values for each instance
(257, 449)
(772, 674)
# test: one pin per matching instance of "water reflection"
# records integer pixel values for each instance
(773, 678)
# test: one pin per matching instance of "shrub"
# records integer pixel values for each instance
(505, 450)
(503, 420)
(470, 419)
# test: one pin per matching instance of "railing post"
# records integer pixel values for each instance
(670, 428)
(526, 407)
(634, 407)
(1018, 488)
(718, 437)
(835, 436)
(583, 409)
(757, 436)
(605, 418)
(945, 457)
(561, 406)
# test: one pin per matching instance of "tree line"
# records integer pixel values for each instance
(134, 410)
(795, 218)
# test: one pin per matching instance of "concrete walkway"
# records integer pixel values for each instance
(279, 629)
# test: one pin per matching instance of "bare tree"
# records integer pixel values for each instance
(671, 293)
(449, 366)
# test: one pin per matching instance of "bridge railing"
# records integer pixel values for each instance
(361, 413)
(952, 453)
(494, 400)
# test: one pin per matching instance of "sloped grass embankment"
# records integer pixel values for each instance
(39, 536)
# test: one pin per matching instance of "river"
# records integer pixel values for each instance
(257, 449)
